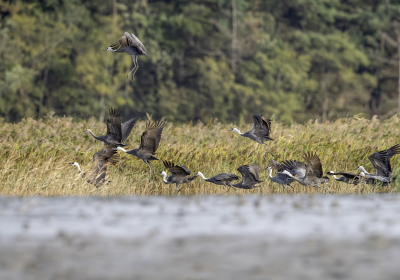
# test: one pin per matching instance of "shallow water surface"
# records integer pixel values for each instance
(227, 237)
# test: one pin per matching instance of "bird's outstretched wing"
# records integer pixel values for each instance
(114, 131)
(121, 43)
(175, 169)
(262, 126)
(249, 174)
(186, 169)
(134, 41)
(101, 160)
(151, 137)
(106, 153)
(254, 169)
(276, 165)
(381, 160)
(313, 164)
(127, 126)
(295, 167)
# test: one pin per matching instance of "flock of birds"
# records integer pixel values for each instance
(308, 173)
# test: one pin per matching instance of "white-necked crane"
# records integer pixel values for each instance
(179, 175)
(149, 143)
(116, 132)
(310, 174)
(131, 45)
(282, 179)
(260, 131)
(381, 163)
(223, 179)
(101, 160)
(373, 180)
(250, 176)
(346, 177)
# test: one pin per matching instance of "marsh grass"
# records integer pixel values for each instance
(35, 155)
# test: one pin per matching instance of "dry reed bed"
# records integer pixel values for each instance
(35, 155)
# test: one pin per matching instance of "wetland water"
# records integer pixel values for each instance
(201, 237)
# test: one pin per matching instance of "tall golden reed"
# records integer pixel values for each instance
(35, 154)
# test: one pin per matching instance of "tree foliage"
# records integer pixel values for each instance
(228, 59)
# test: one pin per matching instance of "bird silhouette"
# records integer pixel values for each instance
(131, 45)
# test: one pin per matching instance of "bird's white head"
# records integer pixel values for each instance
(361, 168)
(235, 130)
(88, 130)
(330, 172)
(269, 168)
(164, 174)
(110, 49)
(77, 165)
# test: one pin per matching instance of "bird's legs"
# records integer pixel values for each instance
(120, 168)
(154, 173)
(229, 184)
(291, 187)
(285, 188)
(181, 189)
(322, 189)
(150, 170)
(227, 189)
(134, 67)
(176, 189)
(269, 150)
(137, 67)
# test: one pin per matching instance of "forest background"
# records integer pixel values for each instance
(225, 59)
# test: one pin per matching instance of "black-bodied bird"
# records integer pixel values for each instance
(346, 177)
(116, 132)
(149, 143)
(260, 131)
(381, 162)
(131, 45)
(250, 176)
(179, 175)
(282, 179)
(101, 160)
(310, 173)
(223, 179)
